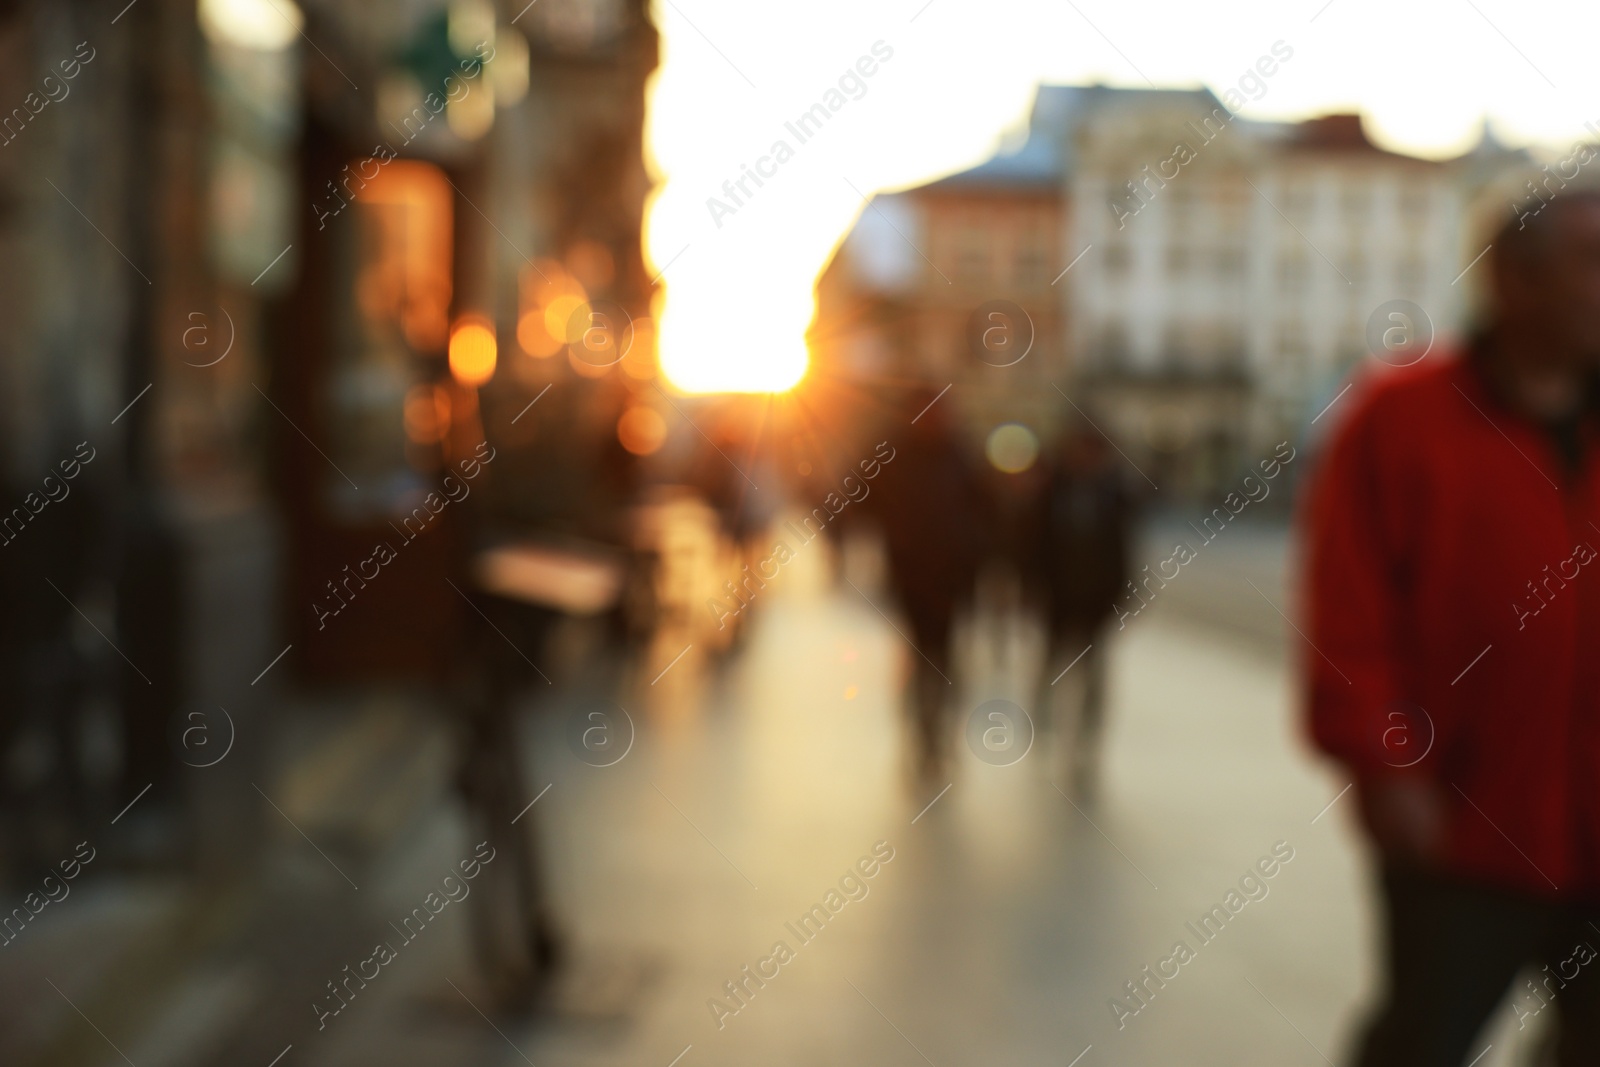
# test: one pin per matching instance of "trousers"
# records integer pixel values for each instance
(1454, 948)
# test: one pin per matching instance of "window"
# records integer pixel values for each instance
(1412, 275)
(1113, 343)
(1183, 209)
(1117, 257)
(1352, 345)
(1226, 345)
(1230, 261)
(972, 256)
(1296, 201)
(1291, 341)
(1292, 268)
(1354, 267)
(1356, 201)
(1231, 204)
(1178, 343)
(1413, 203)
(1030, 263)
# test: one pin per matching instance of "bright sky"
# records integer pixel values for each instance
(739, 295)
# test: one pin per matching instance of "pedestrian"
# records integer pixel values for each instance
(1083, 527)
(722, 468)
(1454, 650)
(929, 505)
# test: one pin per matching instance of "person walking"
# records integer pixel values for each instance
(929, 505)
(1453, 663)
(1081, 549)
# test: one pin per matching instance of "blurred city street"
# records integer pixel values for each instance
(1006, 921)
(679, 533)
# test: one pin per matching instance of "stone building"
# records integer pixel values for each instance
(950, 283)
(1223, 272)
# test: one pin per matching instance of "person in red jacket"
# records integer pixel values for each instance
(1453, 667)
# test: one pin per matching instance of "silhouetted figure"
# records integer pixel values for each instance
(930, 506)
(1081, 548)
(547, 537)
(720, 471)
(517, 935)
(1014, 509)
(1453, 624)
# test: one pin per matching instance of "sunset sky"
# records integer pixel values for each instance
(739, 294)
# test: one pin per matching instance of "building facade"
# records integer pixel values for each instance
(950, 284)
(1224, 273)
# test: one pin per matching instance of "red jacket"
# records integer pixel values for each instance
(1452, 567)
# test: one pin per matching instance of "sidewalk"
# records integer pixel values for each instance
(179, 972)
(1000, 932)
(1215, 589)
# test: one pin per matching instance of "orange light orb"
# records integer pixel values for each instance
(641, 430)
(472, 352)
(559, 320)
(533, 337)
(640, 360)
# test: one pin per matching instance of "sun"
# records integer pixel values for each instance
(716, 339)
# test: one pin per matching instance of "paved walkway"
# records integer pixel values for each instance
(992, 922)
(1008, 918)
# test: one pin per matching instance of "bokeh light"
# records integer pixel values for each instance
(472, 352)
(639, 361)
(1012, 447)
(533, 337)
(560, 319)
(642, 430)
